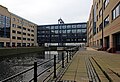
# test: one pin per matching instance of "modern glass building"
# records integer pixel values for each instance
(62, 33)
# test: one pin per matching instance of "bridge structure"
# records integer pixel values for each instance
(62, 33)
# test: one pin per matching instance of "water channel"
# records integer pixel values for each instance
(11, 65)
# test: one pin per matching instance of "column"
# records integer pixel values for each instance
(4, 44)
(112, 47)
(111, 41)
(104, 44)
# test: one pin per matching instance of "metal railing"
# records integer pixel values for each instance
(54, 69)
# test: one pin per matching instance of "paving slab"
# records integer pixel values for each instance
(77, 70)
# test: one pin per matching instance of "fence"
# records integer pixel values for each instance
(54, 69)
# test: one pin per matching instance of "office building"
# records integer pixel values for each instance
(16, 31)
(62, 33)
(104, 25)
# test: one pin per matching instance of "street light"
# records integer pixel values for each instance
(102, 25)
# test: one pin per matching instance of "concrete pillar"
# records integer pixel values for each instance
(11, 43)
(104, 42)
(16, 44)
(111, 41)
(4, 44)
(112, 47)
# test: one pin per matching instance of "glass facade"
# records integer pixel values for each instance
(4, 26)
(62, 33)
(94, 19)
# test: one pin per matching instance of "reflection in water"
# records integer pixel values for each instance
(11, 65)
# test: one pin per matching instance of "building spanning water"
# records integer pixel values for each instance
(62, 33)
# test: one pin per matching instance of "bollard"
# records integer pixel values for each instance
(54, 66)
(62, 60)
(70, 55)
(35, 71)
(67, 56)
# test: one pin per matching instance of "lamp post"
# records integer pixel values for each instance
(102, 25)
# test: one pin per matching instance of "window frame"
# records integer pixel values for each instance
(114, 11)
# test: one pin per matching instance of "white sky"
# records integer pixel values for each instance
(49, 11)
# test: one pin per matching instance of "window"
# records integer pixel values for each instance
(13, 19)
(84, 30)
(28, 39)
(18, 20)
(28, 34)
(97, 17)
(19, 27)
(24, 33)
(18, 44)
(24, 38)
(73, 26)
(106, 3)
(32, 35)
(56, 27)
(13, 31)
(73, 30)
(97, 6)
(18, 32)
(13, 37)
(24, 28)
(100, 12)
(28, 29)
(106, 21)
(19, 38)
(13, 25)
(52, 27)
(97, 30)
(32, 39)
(100, 26)
(116, 12)
(99, 1)
(32, 30)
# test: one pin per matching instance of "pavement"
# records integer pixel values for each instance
(93, 66)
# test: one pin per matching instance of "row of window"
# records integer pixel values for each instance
(115, 14)
(63, 31)
(18, 32)
(58, 35)
(23, 44)
(18, 44)
(105, 3)
(65, 26)
(19, 38)
(14, 25)
(22, 22)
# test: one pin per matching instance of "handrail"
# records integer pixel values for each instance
(64, 58)
(20, 73)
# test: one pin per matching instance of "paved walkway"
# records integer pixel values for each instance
(93, 66)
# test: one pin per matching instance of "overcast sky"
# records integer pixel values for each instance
(49, 11)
